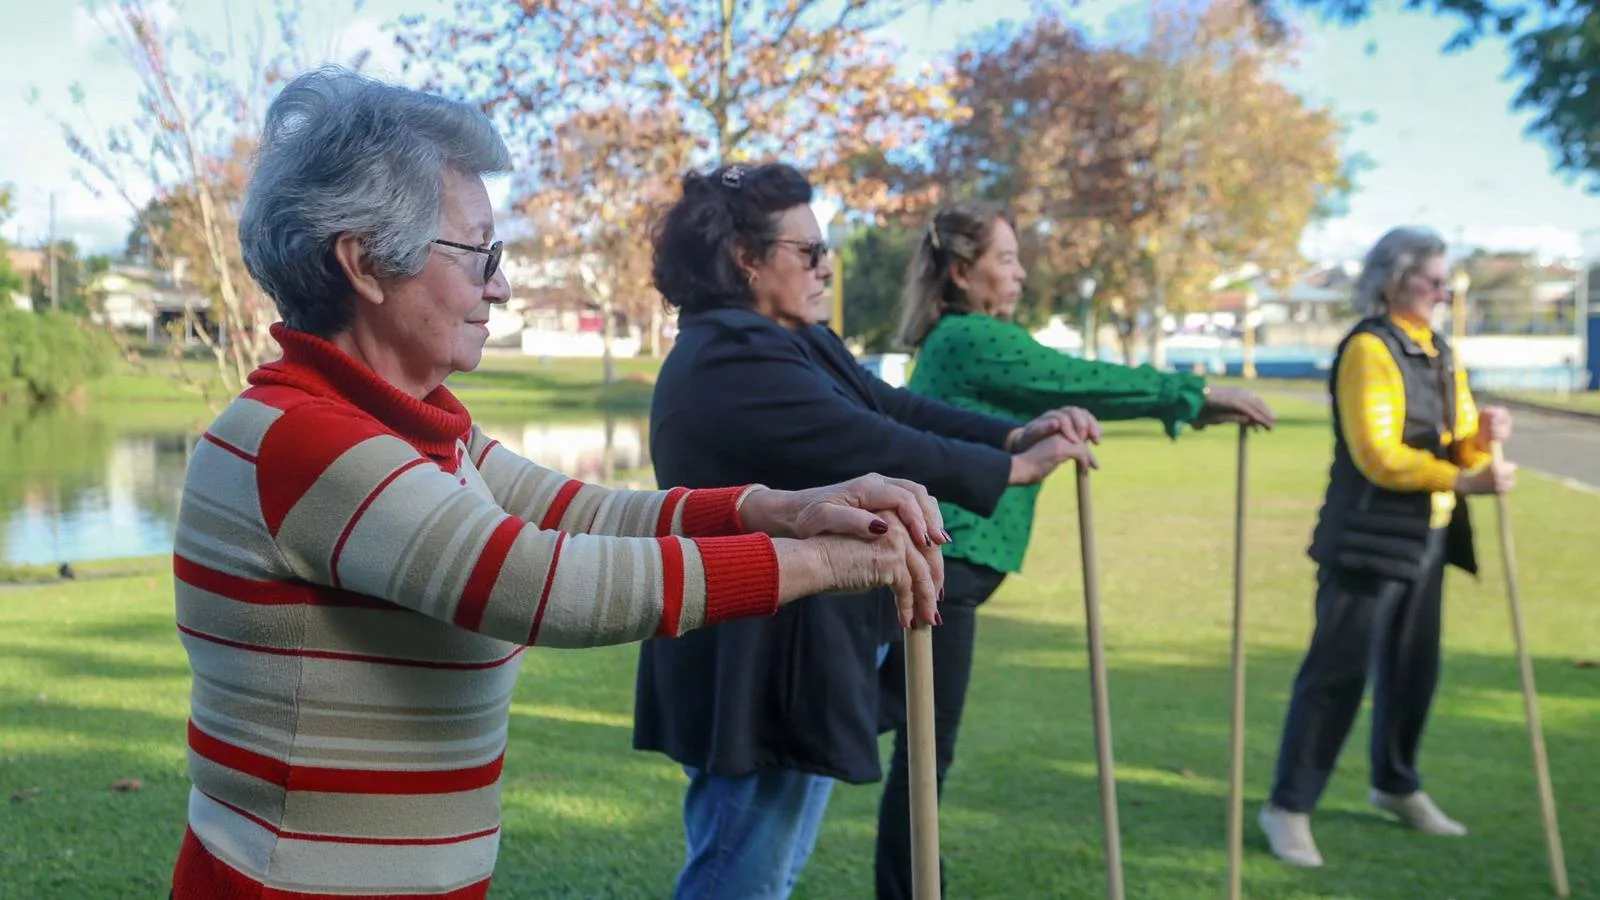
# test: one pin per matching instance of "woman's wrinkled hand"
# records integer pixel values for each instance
(1494, 478)
(863, 507)
(848, 565)
(1235, 406)
(1074, 424)
(1036, 464)
(1494, 424)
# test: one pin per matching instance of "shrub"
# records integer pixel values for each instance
(46, 356)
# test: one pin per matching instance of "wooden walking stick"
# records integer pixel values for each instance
(1530, 701)
(1097, 687)
(1236, 796)
(924, 779)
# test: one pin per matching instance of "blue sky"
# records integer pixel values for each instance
(1447, 150)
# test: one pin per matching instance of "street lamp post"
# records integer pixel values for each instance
(1458, 306)
(828, 219)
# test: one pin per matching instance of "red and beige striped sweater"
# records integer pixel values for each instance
(357, 575)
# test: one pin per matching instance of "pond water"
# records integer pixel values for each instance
(83, 486)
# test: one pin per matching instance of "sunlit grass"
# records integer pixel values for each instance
(93, 688)
(166, 393)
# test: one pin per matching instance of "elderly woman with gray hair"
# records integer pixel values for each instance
(1408, 443)
(359, 568)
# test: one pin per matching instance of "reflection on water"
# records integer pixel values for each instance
(81, 487)
(605, 451)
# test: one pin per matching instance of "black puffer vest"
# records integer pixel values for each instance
(1366, 528)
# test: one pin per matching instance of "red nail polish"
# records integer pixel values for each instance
(947, 537)
(878, 526)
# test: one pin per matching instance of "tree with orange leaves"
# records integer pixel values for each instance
(607, 103)
(1153, 164)
(1062, 133)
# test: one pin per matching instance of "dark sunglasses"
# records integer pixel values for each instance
(491, 265)
(814, 249)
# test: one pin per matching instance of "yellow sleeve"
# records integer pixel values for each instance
(1470, 450)
(1372, 411)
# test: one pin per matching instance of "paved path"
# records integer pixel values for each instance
(1563, 447)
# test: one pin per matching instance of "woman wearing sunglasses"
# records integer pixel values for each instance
(359, 569)
(1408, 444)
(764, 718)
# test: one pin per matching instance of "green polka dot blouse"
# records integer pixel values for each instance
(992, 366)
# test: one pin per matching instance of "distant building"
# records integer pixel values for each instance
(145, 299)
(550, 315)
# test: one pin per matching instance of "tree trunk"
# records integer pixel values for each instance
(1157, 342)
(1089, 328)
(608, 333)
(655, 330)
(1157, 338)
(1128, 336)
(719, 109)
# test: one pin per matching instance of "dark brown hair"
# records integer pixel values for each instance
(695, 264)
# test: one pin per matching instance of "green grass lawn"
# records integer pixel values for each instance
(507, 383)
(504, 383)
(93, 687)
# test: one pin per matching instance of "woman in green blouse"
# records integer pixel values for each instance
(962, 289)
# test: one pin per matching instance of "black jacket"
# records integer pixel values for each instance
(1363, 527)
(740, 400)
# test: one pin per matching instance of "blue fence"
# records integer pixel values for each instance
(1592, 382)
(1270, 362)
(1314, 363)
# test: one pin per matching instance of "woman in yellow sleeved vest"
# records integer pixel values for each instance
(1408, 442)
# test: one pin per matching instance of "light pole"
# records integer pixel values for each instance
(827, 212)
(1458, 307)
(1086, 317)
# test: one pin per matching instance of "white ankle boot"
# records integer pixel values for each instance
(1289, 833)
(1417, 810)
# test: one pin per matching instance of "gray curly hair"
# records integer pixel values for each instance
(1396, 255)
(341, 153)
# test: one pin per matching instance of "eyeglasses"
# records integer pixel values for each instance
(813, 249)
(1438, 285)
(491, 265)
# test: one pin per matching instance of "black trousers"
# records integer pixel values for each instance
(967, 586)
(1364, 624)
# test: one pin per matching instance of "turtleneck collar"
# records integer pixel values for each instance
(1416, 329)
(309, 363)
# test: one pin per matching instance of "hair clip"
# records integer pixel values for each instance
(730, 177)
(933, 235)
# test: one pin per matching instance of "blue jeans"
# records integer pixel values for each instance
(748, 836)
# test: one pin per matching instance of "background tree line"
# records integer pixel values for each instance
(46, 349)
(1153, 160)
